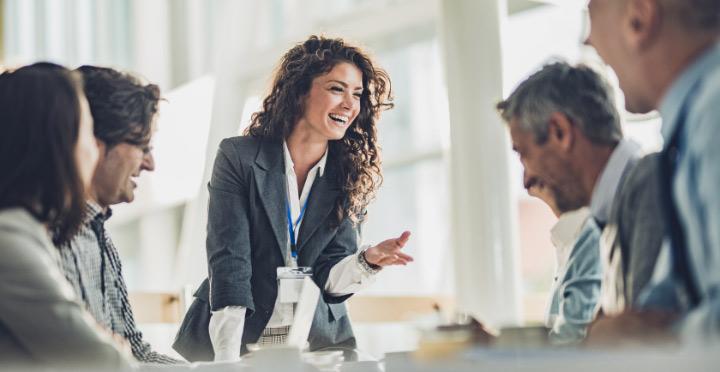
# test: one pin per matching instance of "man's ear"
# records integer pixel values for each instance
(561, 131)
(641, 23)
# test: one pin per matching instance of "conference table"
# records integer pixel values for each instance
(480, 359)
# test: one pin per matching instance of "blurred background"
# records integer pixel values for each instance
(481, 244)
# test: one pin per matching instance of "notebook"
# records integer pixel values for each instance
(304, 314)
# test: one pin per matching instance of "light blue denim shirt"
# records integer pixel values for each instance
(696, 192)
(576, 290)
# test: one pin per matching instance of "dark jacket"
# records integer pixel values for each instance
(247, 240)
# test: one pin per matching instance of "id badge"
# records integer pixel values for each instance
(290, 282)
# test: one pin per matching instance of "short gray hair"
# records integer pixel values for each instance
(578, 92)
(702, 15)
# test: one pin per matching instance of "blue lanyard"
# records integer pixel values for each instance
(292, 226)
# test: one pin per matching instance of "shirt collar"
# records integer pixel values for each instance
(673, 101)
(290, 166)
(93, 210)
(626, 153)
(566, 231)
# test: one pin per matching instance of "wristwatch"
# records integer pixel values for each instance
(367, 266)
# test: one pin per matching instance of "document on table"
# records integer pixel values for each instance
(304, 314)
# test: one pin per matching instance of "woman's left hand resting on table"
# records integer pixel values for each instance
(388, 253)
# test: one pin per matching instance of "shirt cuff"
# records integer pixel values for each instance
(365, 266)
(348, 277)
(226, 329)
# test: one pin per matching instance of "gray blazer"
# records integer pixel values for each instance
(636, 230)
(40, 321)
(247, 240)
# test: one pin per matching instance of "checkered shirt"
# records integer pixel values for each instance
(91, 264)
(274, 336)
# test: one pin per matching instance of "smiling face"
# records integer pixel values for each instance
(333, 103)
(117, 171)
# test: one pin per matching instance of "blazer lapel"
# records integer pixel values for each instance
(270, 180)
(321, 202)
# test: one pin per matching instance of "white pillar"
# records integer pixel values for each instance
(235, 29)
(151, 41)
(483, 207)
(158, 239)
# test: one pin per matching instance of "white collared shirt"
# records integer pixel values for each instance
(346, 277)
(563, 236)
(625, 155)
(565, 233)
(297, 202)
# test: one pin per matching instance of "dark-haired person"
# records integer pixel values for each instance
(124, 110)
(292, 192)
(47, 157)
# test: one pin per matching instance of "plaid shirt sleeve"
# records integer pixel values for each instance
(140, 349)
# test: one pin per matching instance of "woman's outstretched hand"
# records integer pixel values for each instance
(388, 253)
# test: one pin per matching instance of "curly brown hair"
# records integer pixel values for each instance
(357, 154)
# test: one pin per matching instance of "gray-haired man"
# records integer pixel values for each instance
(566, 129)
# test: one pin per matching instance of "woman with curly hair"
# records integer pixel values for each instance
(292, 192)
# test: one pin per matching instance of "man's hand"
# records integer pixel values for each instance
(388, 253)
(632, 327)
(539, 190)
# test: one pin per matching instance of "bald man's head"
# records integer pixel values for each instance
(649, 42)
(693, 15)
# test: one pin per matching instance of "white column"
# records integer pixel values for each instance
(483, 207)
(158, 239)
(151, 41)
(235, 29)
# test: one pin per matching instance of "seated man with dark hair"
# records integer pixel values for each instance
(125, 111)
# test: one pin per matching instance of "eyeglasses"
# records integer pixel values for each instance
(146, 148)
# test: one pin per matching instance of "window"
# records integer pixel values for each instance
(414, 196)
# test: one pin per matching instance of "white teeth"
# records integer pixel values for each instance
(341, 118)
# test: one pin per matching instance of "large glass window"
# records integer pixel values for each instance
(414, 196)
